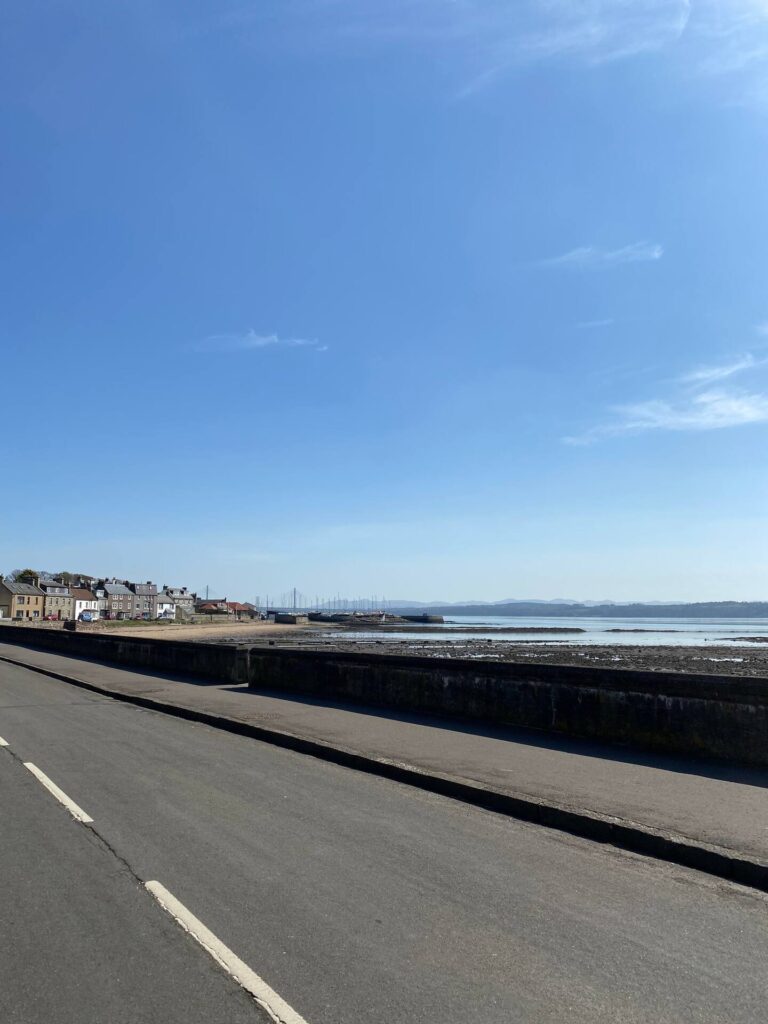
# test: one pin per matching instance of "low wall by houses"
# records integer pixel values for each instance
(703, 715)
(215, 662)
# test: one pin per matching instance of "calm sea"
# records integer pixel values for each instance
(656, 632)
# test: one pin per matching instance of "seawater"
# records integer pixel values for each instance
(656, 632)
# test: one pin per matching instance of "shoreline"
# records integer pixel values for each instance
(739, 656)
(710, 659)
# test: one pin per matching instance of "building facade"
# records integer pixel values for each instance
(100, 594)
(84, 601)
(58, 602)
(21, 600)
(165, 606)
(119, 600)
(182, 598)
(144, 597)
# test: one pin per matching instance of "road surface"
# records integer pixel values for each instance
(354, 898)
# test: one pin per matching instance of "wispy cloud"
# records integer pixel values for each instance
(705, 375)
(508, 31)
(708, 410)
(485, 38)
(605, 30)
(690, 408)
(590, 324)
(251, 340)
(592, 256)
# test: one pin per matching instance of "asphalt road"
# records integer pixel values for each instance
(356, 899)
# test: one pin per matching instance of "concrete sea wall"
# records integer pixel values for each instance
(215, 662)
(711, 716)
(704, 715)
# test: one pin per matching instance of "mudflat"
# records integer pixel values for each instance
(737, 659)
(740, 657)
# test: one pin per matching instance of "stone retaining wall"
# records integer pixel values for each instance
(714, 716)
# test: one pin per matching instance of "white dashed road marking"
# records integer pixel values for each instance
(74, 810)
(276, 1007)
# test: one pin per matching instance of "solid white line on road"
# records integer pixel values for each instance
(74, 810)
(276, 1007)
(2, 742)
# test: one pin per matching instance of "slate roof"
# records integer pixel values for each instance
(23, 588)
(117, 590)
(49, 584)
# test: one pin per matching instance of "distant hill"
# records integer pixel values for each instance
(699, 610)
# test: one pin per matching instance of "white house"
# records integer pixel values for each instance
(85, 601)
(165, 606)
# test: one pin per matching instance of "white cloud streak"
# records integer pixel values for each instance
(723, 39)
(710, 374)
(593, 257)
(605, 30)
(503, 30)
(708, 410)
(585, 325)
(692, 409)
(250, 340)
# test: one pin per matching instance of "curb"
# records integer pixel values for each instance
(633, 837)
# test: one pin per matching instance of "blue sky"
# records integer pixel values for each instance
(419, 298)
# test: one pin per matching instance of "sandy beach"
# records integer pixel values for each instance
(243, 632)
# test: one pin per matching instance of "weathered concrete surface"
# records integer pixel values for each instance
(709, 804)
(711, 716)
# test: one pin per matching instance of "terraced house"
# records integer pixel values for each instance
(144, 597)
(84, 601)
(58, 602)
(21, 600)
(119, 601)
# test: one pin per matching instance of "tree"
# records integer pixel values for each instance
(22, 574)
